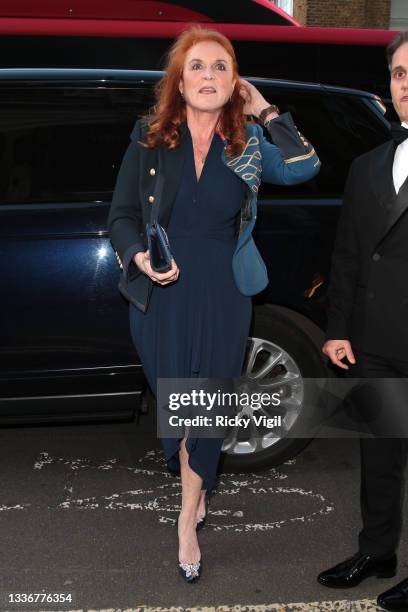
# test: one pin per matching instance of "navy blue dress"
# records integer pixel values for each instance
(198, 326)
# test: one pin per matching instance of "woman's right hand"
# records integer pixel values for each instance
(142, 260)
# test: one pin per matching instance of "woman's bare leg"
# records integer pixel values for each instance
(191, 483)
(201, 509)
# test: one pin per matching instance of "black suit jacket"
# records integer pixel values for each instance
(368, 291)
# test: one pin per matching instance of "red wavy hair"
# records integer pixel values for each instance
(170, 108)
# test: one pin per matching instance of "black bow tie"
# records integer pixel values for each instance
(398, 132)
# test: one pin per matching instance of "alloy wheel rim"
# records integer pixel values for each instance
(268, 368)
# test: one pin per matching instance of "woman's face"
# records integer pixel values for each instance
(207, 81)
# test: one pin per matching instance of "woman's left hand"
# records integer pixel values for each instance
(254, 100)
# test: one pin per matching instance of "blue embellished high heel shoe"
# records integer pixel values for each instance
(190, 572)
(200, 523)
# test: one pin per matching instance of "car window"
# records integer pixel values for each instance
(65, 144)
(340, 127)
(61, 144)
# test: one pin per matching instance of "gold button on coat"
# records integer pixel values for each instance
(152, 171)
(151, 199)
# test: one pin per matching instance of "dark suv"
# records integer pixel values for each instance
(66, 351)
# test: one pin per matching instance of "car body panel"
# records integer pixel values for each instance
(64, 329)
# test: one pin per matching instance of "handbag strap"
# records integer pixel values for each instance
(158, 190)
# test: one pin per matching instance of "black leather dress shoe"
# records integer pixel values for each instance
(395, 598)
(352, 571)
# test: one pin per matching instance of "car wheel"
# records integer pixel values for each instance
(281, 354)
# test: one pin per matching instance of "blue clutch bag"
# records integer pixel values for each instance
(159, 248)
(157, 240)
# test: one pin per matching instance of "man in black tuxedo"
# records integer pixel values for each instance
(368, 326)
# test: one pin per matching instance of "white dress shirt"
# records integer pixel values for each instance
(400, 166)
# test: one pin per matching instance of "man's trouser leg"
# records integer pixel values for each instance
(383, 463)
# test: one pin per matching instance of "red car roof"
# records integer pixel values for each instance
(252, 20)
(241, 11)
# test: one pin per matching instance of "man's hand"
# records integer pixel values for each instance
(338, 349)
(142, 260)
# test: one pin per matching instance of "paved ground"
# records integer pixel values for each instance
(89, 510)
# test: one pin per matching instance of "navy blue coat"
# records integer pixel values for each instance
(288, 161)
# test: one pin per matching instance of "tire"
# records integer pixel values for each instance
(299, 340)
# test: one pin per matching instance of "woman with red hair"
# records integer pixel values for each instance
(193, 320)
